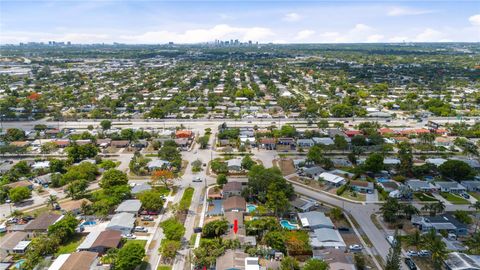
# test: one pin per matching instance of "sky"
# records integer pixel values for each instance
(157, 21)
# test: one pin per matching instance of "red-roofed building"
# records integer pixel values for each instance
(351, 133)
(183, 134)
(386, 131)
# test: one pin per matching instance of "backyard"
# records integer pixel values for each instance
(455, 199)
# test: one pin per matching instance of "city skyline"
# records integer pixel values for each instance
(158, 22)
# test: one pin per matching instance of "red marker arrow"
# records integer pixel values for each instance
(235, 226)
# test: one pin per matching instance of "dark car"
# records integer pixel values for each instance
(197, 230)
(411, 265)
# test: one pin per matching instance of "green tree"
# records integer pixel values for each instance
(289, 263)
(456, 169)
(106, 124)
(173, 229)
(315, 264)
(374, 163)
(130, 256)
(215, 228)
(277, 201)
(437, 248)
(247, 162)
(221, 179)
(275, 240)
(406, 158)
(169, 249)
(203, 141)
(18, 194)
(393, 257)
(151, 200)
(390, 210)
(77, 153)
(15, 134)
(113, 177)
(64, 229)
(77, 189)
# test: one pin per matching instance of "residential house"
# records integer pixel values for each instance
(323, 140)
(120, 143)
(123, 222)
(9, 241)
(231, 260)
(129, 206)
(314, 220)
(471, 185)
(43, 179)
(362, 186)
(435, 161)
(101, 241)
(444, 222)
(41, 165)
(158, 164)
(184, 134)
(389, 186)
(450, 186)
(313, 172)
(337, 259)
(82, 260)
(139, 188)
(333, 179)
(285, 144)
(326, 238)
(21, 183)
(302, 205)
(234, 203)
(420, 186)
(462, 261)
(234, 164)
(268, 143)
(305, 143)
(233, 188)
(42, 222)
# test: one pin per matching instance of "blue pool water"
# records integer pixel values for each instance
(251, 208)
(287, 225)
(89, 223)
(382, 180)
(18, 264)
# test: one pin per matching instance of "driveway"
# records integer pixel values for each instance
(372, 197)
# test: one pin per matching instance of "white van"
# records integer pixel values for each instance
(391, 240)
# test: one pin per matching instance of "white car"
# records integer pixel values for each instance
(412, 253)
(197, 179)
(424, 253)
(129, 236)
(141, 229)
(391, 240)
(355, 247)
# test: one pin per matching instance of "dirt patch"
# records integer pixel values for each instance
(286, 166)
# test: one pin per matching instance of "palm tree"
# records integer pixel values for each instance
(410, 210)
(51, 201)
(476, 206)
(439, 206)
(438, 250)
(415, 239)
(473, 243)
(428, 208)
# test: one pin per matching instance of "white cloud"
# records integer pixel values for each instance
(221, 31)
(429, 35)
(398, 39)
(375, 38)
(292, 17)
(304, 34)
(360, 27)
(406, 11)
(475, 20)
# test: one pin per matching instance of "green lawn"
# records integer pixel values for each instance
(424, 197)
(141, 242)
(476, 195)
(70, 246)
(164, 267)
(455, 199)
(357, 197)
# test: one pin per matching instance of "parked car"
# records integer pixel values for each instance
(197, 179)
(412, 253)
(343, 229)
(140, 229)
(411, 265)
(424, 253)
(129, 236)
(147, 218)
(148, 213)
(391, 240)
(197, 230)
(355, 248)
(465, 195)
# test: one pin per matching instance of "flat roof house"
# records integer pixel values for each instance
(129, 206)
(305, 143)
(74, 206)
(123, 222)
(332, 179)
(234, 203)
(315, 220)
(313, 172)
(231, 260)
(303, 205)
(234, 164)
(137, 189)
(157, 164)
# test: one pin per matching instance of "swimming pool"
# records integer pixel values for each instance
(287, 225)
(19, 263)
(251, 208)
(382, 179)
(89, 223)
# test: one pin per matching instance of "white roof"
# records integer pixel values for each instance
(41, 165)
(332, 178)
(58, 263)
(251, 263)
(22, 245)
(89, 240)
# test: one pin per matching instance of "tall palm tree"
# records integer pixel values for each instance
(438, 250)
(415, 239)
(51, 201)
(476, 206)
(440, 206)
(473, 243)
(410, 210)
